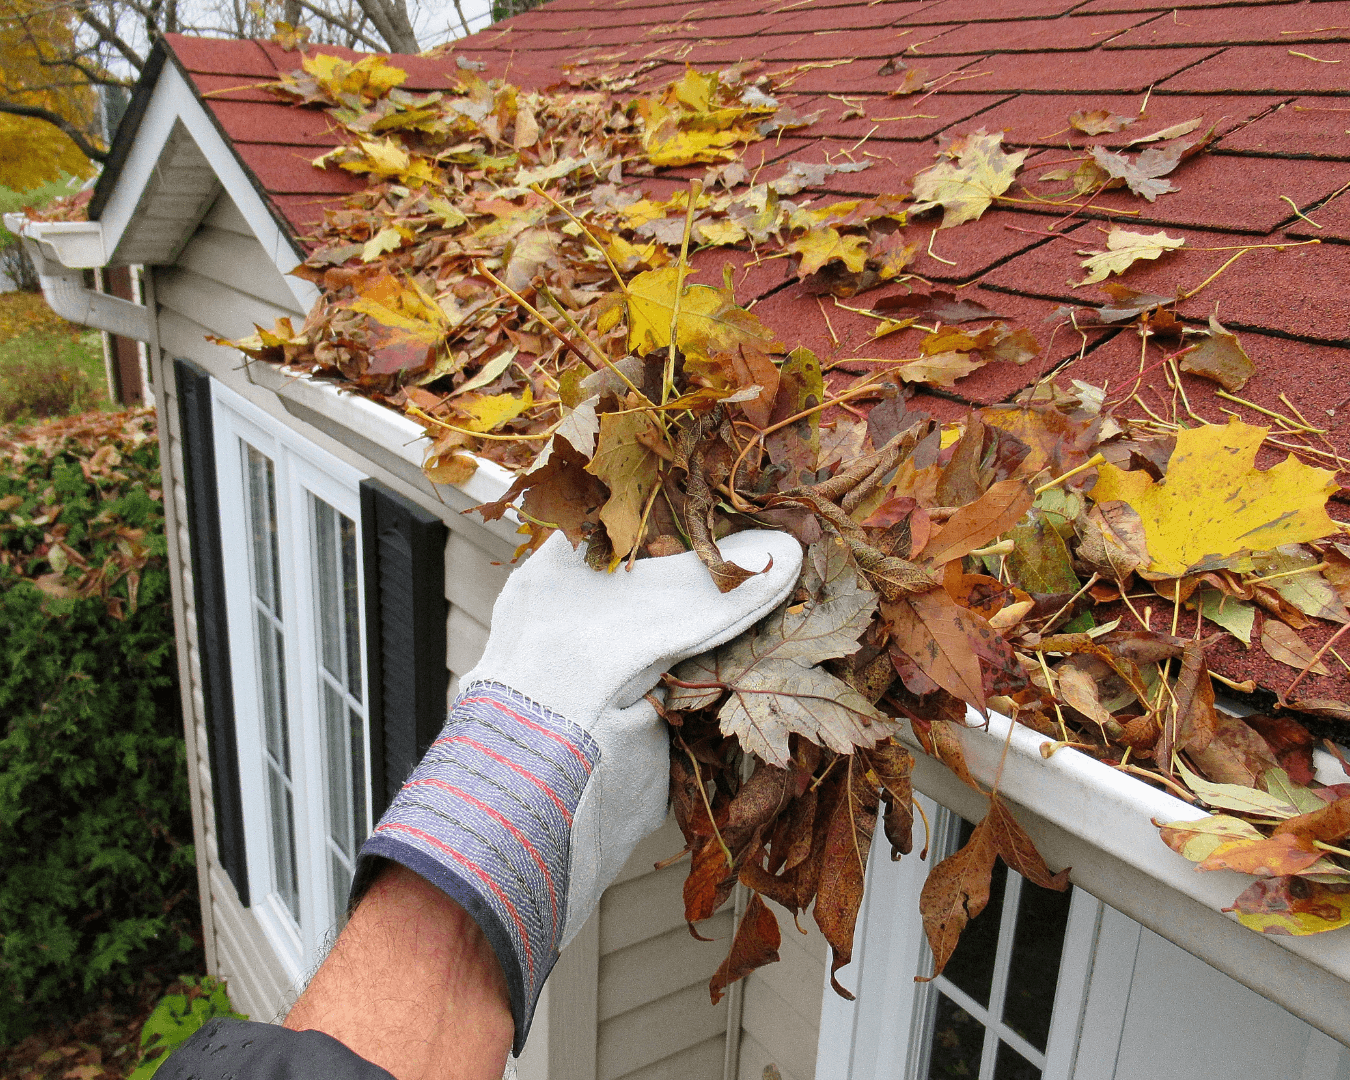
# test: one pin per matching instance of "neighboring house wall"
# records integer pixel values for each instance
(629, 1000)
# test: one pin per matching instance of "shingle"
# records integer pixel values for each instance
(1216, 191)
(1066, 33)
(1079, 72)
(1289, 292)
(1333, 217)
(1043, 119)
(1284, 24)
(1264, 69)
(887, 118)
(1307, 127)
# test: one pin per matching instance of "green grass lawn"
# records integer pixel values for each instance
(48, 367)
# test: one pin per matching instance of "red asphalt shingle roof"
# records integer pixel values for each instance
(1268, 75)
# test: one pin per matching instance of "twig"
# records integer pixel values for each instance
(1285, 574)
(681, 269)
(1284, 694)
(1176, 789)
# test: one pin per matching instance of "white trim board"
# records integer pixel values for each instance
(174, 101)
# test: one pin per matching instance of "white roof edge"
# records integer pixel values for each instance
(1113, 812)
(405, 438)
(173, 100)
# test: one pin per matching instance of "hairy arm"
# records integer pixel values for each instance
(412, 986)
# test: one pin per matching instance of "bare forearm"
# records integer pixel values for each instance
(413, 986)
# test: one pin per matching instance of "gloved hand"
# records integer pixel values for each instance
(552, 766)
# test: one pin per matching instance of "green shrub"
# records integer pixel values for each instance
(176, 1018)
(95, 828)
(41, 377)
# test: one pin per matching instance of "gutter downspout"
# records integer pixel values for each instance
(61, 251)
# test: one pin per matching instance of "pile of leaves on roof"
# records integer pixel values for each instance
(496, 281)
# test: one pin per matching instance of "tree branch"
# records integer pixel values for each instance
(107, 34)
(76, 136)
(346, 27)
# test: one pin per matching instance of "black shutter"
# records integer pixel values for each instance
(213, 646)
(406, 611)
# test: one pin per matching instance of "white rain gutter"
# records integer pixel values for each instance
(1099, 821)
(61, 251)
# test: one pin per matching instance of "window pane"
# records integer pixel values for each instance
(283, 841)
(957, 1041)
(328, 584)
(1042, 916)
(972, 964)
(262, 500)
(356, 730)
(1010, 1065)
(339, 614)
(272, 670)
(336, 753)
(342, 885)
(351, 612)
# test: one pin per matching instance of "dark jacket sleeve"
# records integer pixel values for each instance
(225, 1049)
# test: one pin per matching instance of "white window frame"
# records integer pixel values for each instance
(300, 467)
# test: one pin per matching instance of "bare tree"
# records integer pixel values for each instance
(105, 43)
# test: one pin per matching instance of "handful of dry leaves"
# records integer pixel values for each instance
(498, 283)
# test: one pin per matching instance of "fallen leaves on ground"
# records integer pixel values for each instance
(1123, 249)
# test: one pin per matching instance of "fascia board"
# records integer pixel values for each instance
(383, 427)
(173, 100)
(1100, 821)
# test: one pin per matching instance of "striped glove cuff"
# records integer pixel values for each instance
(486, 817)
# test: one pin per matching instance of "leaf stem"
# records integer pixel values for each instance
(698, 779)
(618, 278)
(1285, 574)
(681, 270)
(1091, 463)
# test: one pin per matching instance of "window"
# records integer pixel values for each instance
(290, 533)
(1044, 986)
(988, 1015)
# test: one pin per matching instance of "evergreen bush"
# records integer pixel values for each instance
(95, 830)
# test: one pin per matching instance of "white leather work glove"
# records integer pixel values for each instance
(552, 766)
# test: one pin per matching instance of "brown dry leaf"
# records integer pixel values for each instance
(843, 866)
(709, 883)
(977, 524)
(941, 637)
(1099, 122)
(1194, 693)
(1330, 824)
(1286, 647)
(1143, 174)
(1236, 754)
(1078, 690)
(892, 764)
(755, 944)
(775, 685)
(956, 891)
(1220, 357)
(940, 306)
(1017, 850)
(628, 468)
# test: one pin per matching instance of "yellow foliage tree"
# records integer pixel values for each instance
(57, 136)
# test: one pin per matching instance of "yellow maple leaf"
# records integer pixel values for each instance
(966, 186)
(629, 469)
(1214, 503)
(1123, 250)
(820, 246)
(371, 76)
(403, 306)
(486, 411)
(710, 321)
